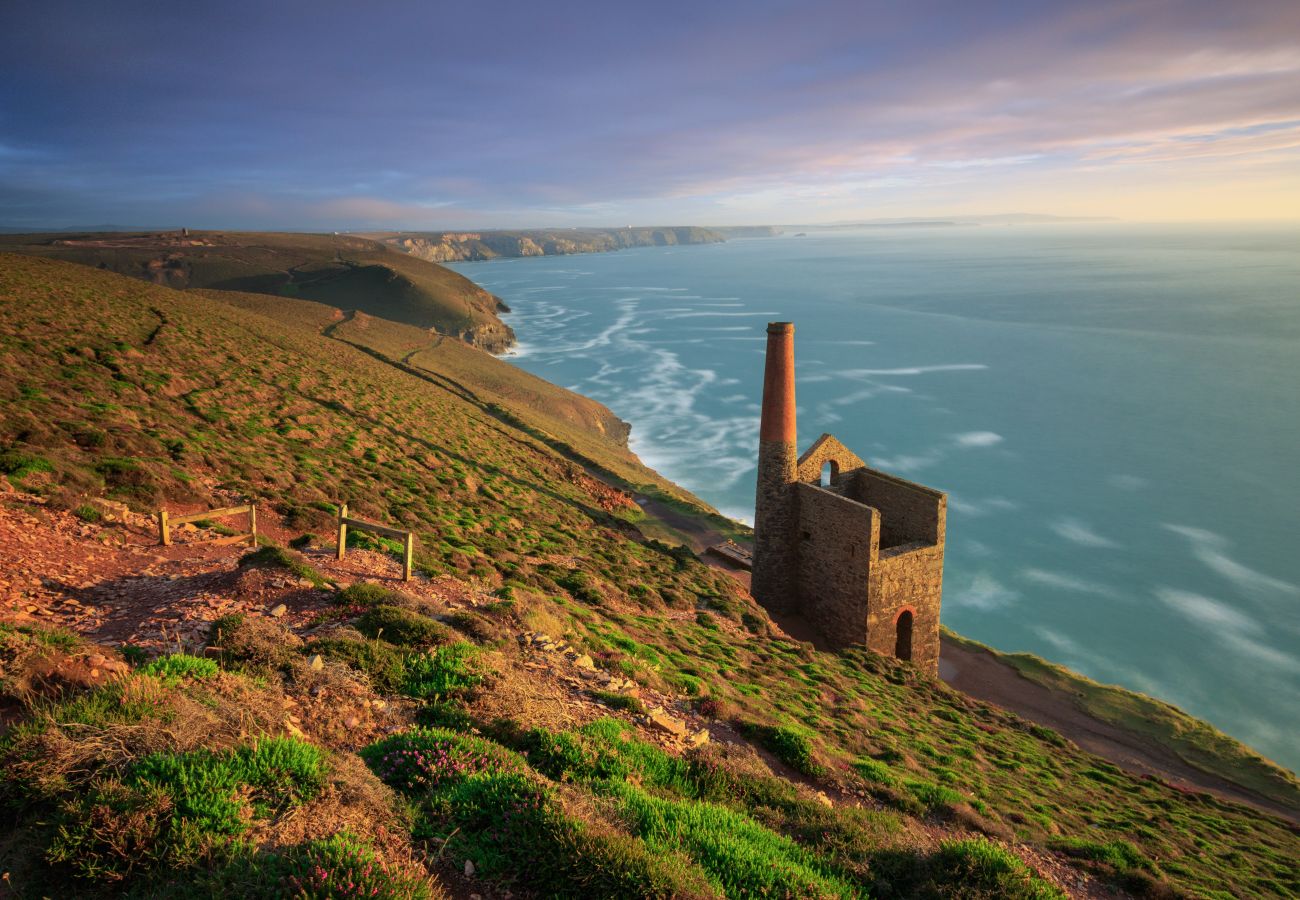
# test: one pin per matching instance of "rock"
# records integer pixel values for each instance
(110, 510)
(667, 723)
(820, 797)
(469, 869)
(584, 662)
(278, 610)
(699, 738)
(316, 665)
(97, 659)
(379, 704)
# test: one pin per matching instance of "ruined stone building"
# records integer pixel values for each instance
(858, 554)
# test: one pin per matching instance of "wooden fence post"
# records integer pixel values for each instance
(252, 525)
(410, 552)
(164, 533)
(343, 529)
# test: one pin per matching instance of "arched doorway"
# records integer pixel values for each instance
(903, 635)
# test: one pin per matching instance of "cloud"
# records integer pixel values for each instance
(1076, 531)
(715, 111)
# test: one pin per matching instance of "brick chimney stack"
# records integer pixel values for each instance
(774, 577)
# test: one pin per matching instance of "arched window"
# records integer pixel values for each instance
(903, 638)
(830, 472)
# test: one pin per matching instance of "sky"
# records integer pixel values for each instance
(426, 115)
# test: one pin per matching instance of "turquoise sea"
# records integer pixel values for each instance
(1113, 409)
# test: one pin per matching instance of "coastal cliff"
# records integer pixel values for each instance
(458, 246)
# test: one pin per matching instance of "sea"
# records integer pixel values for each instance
(1113, 409)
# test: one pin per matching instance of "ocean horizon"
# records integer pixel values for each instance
(1112, 409)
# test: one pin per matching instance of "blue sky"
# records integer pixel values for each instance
(435, 115)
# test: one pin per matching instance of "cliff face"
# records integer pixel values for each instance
(454, 246)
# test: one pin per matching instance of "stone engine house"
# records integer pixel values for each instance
(858, 555)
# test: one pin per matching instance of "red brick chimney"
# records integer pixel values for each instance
(773, 578)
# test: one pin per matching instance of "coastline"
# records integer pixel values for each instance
(997, 681)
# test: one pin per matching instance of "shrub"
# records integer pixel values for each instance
(791, 746)
(19, 465)
(620, 701)
(173, 808)
(421, 760)
(401, 626)
(255, 643)
(451, 670)
(1121, 855)
(875, 771)
(366, 593)
(932, 795)
(978, 868)
(341, 867)
(87, 513)
(176, 666)
(384, 664)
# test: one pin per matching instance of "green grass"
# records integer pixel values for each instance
(741, 857)
(445, 672)
(501, 503)
(974, 867)
(170, 809)
(176, 666)
(1194, 740)
(790, 745)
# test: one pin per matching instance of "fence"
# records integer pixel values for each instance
(165, 524)
(407, 537)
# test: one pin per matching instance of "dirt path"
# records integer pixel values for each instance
(983, 677)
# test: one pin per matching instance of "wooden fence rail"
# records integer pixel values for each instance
(407, 537)
(165, 523)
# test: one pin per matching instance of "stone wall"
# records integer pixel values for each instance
(909, 512)
(909, 577)
(837, 540)
(827, 449)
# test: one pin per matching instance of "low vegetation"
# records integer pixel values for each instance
(844, 774)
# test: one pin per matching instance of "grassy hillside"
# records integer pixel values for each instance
(826, 775)
(341, 270)
(1193, 740)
